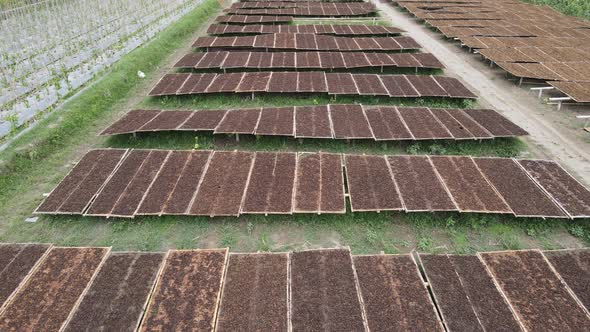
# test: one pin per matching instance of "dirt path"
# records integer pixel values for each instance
(551, 132)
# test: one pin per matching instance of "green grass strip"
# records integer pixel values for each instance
(70, 125)
(579, 8)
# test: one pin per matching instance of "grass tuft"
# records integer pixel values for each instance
(579, 8)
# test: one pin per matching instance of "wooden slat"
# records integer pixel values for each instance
(187, 291)
(324, 295)
(44, 303)
(537, 295)
(386, 281)
(255, 293)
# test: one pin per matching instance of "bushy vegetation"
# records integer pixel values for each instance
(579, 8)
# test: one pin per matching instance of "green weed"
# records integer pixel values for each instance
(228, 237)
(506, 236)
(580, 229)
(264, 243)
(424, 244)
(579, 8)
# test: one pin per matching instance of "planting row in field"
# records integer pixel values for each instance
(47, 52)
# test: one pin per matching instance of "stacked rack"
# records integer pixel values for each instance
(282, 47)
(527, 41)
(128, 183)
